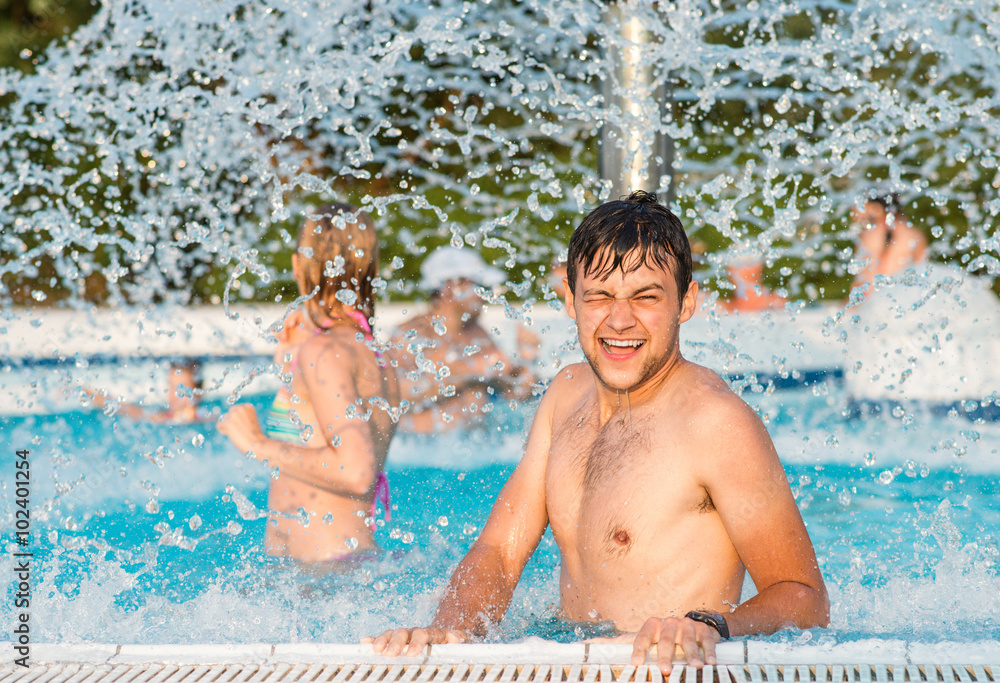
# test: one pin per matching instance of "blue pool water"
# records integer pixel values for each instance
(147, 533)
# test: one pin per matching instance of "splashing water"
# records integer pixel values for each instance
(133, 158)
(136, 161)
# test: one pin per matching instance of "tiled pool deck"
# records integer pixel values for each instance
(535, 660)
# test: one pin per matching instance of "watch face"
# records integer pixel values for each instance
(712, 619)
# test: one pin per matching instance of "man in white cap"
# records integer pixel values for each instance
(450, 367)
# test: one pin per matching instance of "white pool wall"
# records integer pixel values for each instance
(772, 343)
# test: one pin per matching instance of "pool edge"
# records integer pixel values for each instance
(530, 652)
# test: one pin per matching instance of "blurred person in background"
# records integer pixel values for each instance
(888, 243)
(184, 394)
(750, 294)
(450, 367)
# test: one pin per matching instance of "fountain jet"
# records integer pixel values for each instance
(635, 153)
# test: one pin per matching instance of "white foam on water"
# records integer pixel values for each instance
(955, 600)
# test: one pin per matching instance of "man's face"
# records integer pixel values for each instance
(869, 215)
(463, 293)
(181, 382)
(628, 324)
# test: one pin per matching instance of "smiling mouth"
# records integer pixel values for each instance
(622, 345)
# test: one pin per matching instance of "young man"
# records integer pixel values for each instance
(661, 486)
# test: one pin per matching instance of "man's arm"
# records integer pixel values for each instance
(742, 474)
(482, 585)
(748, 487)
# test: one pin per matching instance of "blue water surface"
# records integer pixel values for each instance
(153, 533)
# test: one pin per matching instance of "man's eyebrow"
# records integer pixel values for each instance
(648, 288)
(603, 292)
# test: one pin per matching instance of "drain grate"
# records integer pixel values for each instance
(492, 673)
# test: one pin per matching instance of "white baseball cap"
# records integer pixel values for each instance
(451, 263)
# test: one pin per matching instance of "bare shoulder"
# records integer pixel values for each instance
(328, 350)
(573, 380)
(565, 391)
(720, 424)
(418, 326)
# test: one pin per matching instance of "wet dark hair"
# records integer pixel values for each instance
(626, 234)
(191, 364)
(888, 202)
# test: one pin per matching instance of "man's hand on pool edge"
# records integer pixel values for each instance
(409, 642)
(695, 640)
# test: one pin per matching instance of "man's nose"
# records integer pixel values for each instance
(620, 317)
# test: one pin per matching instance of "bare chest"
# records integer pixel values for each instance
(613, 489)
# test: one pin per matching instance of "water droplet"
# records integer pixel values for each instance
(198, 439)
(351, 543)
(442, 521)
(194, 522)
(347, 296)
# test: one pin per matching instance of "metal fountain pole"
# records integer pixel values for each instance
(635, 154)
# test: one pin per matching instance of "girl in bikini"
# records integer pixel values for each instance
(329, 429)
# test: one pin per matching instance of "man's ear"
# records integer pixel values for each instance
(568, 298)
(689, 304)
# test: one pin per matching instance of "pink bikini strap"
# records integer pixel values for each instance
(381, 496)
(362, 320)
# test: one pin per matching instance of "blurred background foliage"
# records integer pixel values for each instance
(28, 26)
(811, 259)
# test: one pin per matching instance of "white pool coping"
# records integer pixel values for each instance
(533, 651)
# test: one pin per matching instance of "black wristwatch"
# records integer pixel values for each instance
(716, 621)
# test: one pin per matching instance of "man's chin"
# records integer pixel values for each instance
(622, 379)
(619, 382)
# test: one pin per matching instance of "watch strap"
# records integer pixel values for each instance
(716, 621)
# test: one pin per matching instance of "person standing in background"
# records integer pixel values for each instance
(888, 242)
(329, 428)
